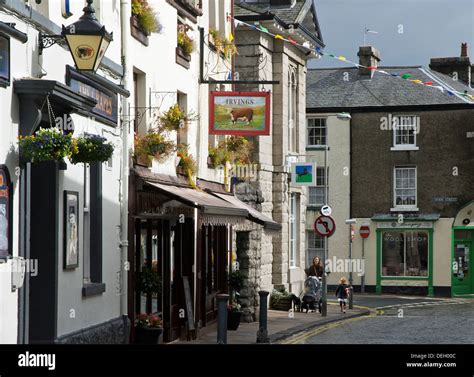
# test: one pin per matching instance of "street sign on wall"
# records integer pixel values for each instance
(325, 226)
(326, 210)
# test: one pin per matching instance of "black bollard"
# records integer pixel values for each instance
(262, 333)
(222, 300)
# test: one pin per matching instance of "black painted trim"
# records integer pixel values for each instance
(413, 290)
(93, 289)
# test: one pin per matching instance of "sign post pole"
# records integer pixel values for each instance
(324, 308)
(364, 232)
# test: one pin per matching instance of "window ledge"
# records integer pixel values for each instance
(313, 207)
(404, 149)
(93, 289)
(404, 209)
(316, 147)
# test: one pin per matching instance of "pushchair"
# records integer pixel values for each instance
(312, 294)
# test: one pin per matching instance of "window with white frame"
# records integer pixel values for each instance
(405, 129)
(317, 194)
(317, 132)
(294, 229)
(315, 246)
(405, 187)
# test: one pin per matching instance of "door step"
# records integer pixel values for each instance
(467, 295)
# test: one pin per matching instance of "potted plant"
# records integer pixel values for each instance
(91, 148)
(47, 144)
(148, 281)
(152, 145)
(144, 17)
(148, 328)
(187, 164)
(280, 299)
(185, 44)
(174, 119)
(234, 315)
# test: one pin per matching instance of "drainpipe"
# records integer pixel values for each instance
(125, 13)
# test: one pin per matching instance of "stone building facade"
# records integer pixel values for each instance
(275, 259)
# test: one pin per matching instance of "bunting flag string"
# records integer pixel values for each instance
(319, 51)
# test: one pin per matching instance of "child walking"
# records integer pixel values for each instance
(341, 293)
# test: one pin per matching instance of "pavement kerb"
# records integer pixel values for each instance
(281, 335)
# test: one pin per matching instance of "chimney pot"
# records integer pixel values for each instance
(464, 50)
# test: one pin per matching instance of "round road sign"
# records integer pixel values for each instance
(364, 231)
(325, 226)
(326, 210)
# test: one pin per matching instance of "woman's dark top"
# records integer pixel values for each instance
(317, 270)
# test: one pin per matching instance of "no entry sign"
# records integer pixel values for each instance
(364, 231)
(325, 226)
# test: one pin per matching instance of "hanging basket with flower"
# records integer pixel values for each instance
(187, 164)
(91, 148)
(152, 145)
(47, 144)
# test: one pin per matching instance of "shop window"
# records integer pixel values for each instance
(5, 213)
(404, 253)
(4, 61)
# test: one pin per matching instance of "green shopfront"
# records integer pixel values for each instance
(404, 254)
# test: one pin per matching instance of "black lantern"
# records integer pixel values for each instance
(87, 40)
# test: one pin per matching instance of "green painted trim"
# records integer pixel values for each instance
(430, 263)
(378, 288)
(424, 278)
(452, 258)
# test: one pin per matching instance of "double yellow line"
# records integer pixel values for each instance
(299, 338)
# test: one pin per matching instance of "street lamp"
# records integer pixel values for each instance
(351, 222)
(87, 40)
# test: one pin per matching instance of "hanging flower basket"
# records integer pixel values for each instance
(152, 145)
(47, 144)
(91, 148)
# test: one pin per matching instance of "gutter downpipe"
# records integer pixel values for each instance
(125, 14)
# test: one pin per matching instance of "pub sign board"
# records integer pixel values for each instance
(106, 108)
(4, 60)
(239, 113)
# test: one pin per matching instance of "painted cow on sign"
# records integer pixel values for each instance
(244, 113)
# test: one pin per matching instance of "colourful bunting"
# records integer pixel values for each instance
(319, 50)
(294, 42)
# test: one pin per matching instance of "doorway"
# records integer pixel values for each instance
(462, 263)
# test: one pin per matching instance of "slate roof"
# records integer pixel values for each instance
(303, 13)
(326, 88)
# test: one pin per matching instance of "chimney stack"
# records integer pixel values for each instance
(368, 57)
(459, 67)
